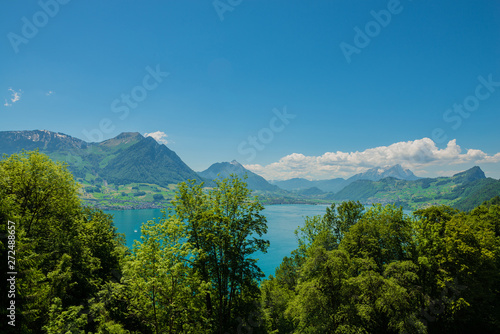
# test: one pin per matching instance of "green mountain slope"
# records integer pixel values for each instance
(464, 190)
(148, 162)
(477, 192)
(118, 170)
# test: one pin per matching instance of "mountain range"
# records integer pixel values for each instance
(464, 190)
(337, 184)
(130, 170)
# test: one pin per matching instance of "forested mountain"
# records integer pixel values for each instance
(149, 162)
(464, 190)
(313, 191)
(225, 169)
(127, 158)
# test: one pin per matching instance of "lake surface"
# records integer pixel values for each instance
(282, 220)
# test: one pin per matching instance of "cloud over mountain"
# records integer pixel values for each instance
(160, 137)
(411, 154)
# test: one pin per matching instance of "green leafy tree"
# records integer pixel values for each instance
(71, 321)
(158, 197)
(40, 194)
(41, 198)
(458, 259)
(384, 234)
(353, 275)
(275, 299)
(165, 290)
(225, 226)
(63, 253)
(329, 230)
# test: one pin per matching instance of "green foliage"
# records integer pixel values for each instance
(63, 252)
(70, 321)
(158, 197)
(41, 198)
(225, 226)
(329, 230)
(275, 298)
(37, 189)
(164, 289)
(493, 201)
(382, 234)
(475, 193)
(458, 257)
(435, 272)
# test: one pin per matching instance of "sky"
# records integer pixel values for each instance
(313, 89)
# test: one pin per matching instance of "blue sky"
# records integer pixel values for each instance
(315, 89)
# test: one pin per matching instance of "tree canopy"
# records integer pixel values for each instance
(432, 272)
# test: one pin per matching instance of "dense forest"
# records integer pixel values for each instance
(355, 270)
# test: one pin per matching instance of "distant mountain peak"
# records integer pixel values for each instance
(224, 169)
(469, 175)
(123, 138)
(14, 141)
(378, 173)
(142, 159)
(128, 135)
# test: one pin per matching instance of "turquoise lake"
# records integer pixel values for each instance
(282, 220)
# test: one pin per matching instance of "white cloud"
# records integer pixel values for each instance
(49, 93)
(15, 96)
(415, 155)
(160, 137)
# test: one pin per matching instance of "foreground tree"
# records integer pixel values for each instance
(434, 272)
(459, 258)
(164, 289)
(225, 227)
(41, 198)
(64, 253)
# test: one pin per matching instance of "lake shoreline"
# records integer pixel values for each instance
(152, 205)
